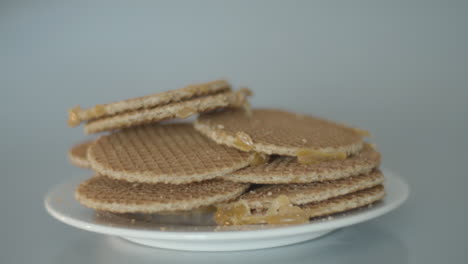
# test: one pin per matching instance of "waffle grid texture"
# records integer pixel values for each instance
(110, 195)
(172, 153)
(154, 168)
(279, 132)
(345, 203)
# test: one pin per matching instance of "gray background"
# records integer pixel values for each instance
(397, 68)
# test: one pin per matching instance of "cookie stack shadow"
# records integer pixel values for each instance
(252, 166)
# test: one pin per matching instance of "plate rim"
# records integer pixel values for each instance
(225, 235)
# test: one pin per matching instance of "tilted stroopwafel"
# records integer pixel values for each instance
(182, 109)
(299, 194)
(279, 132)
(284, 169)
(77, 154)
(103, 193)
(78, 115)
(172, 153)
(281, 211)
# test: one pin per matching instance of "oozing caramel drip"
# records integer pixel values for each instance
(73, 117)
(259, 159)
(281, 211)
(243, 141)
(76, 114)
(185, 112)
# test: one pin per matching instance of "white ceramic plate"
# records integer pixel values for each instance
(197, 232)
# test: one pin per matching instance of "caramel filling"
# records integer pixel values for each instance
(310, 156)
(185, 112)
(75, 114)
(73, 117)
(259, 159)
(231, 214)
(281, 211)
(98, 111)
(243, 141)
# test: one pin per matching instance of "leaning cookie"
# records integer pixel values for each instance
(182, 109)
(179, 103)
(78, 115)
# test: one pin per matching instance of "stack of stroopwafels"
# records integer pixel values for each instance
(256, 166)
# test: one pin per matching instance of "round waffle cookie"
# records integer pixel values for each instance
(279, 132)
(172, 153)
(182, 109)
(77, 154)
(299, 194)
(282, 169)
(345, 203)
(105, 194)
(77, 115)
